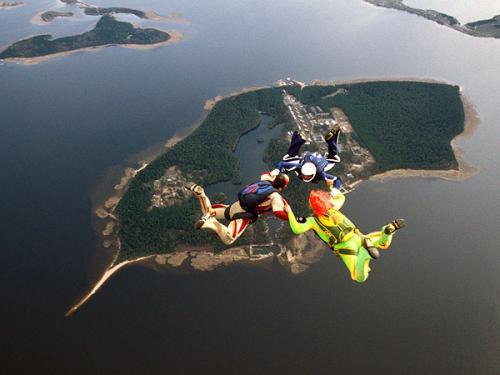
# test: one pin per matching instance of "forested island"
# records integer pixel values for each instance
(108, 31)
(403, 124)
(489, 28)
(51, 15)
(92, 10)
(96, 11)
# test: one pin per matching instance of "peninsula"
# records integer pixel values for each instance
(484, 28)
(107, 31)
(386, 126)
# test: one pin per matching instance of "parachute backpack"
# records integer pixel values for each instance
(254, 194)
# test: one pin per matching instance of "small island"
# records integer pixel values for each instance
(12, 5)
(107, 31)
(400, 128)
(51, 15)
(92, 10)
(484, 28)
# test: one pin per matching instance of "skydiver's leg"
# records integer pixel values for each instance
(295, 145)
(332, 139)
(227, 234)
(199, 192)
(220, 210)
(358, 265)
(383, 239)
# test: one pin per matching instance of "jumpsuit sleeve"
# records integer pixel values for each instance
(287, 166)
(297, 227)
(278, 207)
(336, 181)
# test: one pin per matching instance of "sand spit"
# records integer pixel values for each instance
(210, 103)
(174, 17)
(175, 37)
(109, 272)
(37, 19)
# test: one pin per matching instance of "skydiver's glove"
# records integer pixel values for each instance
(275, 172)
(301, 219)
(334, 192)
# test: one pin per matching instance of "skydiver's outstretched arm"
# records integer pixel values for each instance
(289, 165)
(331, 180)
(297, 227)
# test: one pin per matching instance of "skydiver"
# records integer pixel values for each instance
(341, 235)
(255, 199)
(312, 166)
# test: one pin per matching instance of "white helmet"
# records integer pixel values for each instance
(308, 171)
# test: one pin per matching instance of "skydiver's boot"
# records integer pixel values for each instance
(394, 225)
(211, 223)
(331, 139)
(199, 224)
(206, 206)
(295, 144)
(372, 250)
(333, 133)
(197, 189)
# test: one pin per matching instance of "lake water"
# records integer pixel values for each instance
(431, 304)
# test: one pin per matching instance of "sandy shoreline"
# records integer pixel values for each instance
(464, 171)
(175, 37)
(210, 103)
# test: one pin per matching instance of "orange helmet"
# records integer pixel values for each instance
(320, 202)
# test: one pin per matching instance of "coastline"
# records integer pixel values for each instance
(203, 260)
(210, 103)
(175, 37)
(37, 20)
(464, 171)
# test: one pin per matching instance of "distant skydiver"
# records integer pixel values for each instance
(311, 166)
(253, 200)
(341, 235)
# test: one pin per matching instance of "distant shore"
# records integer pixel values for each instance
(7, 6)
(175, 37)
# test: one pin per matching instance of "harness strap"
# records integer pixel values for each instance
(240, 215)
(345, 252)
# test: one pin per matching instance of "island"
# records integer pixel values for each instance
(12, 5)
(51, 15)
(108, 31)
(92, 10)
(484, 28)
(389, 128)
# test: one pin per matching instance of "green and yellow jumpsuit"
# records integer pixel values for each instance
(346, 241)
